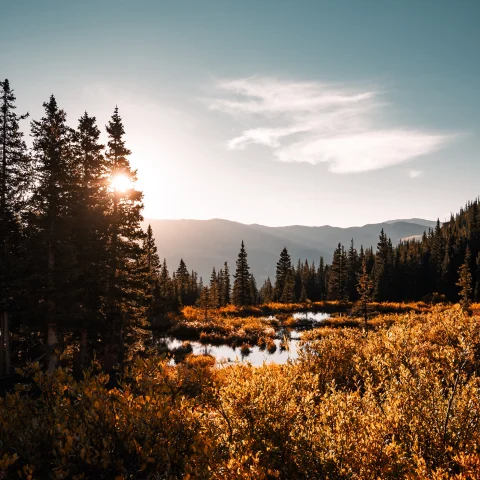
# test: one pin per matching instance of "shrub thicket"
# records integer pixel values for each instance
(400, 402)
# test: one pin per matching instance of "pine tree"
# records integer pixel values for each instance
(193, 290)
(383, 269)
(90, 232)
(14, 183)
(303, 295)
(266, 292)
(465, 282)
(124, 292)
(226, 285)
(182, 277)
(53, 260)
(352, 272)
(221, 290)
(241, 285)
(288, 294)
(204, 301)
(321, 281)
(337, 282)
(364, 289)
(149, 266)
(253, 290)
(284, 266)
(214, 290)
(299, 278)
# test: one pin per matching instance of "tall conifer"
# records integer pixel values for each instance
(51, 221)
(124, 247)
(14, 182)
(241, 285)
(284, 266)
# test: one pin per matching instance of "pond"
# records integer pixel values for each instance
(226, 354)
(314, 317)
(257, 356)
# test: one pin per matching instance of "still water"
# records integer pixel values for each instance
(225, 354)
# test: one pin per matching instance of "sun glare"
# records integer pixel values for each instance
(121, 183)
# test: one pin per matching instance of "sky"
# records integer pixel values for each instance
(304, 112)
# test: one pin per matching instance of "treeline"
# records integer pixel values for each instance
(443, 265)
(77, 272)
(74, 262)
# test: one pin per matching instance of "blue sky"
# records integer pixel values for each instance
(272, 112)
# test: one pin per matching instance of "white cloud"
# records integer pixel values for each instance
(313, 122)
(415, 173)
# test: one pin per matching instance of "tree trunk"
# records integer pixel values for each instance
(52, 344)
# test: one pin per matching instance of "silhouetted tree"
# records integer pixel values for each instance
(14, 181)
(53, 259)
(288, 295)
(124, 245)
(226, 286)
(284, 266)
(337, 281)
(241, 286)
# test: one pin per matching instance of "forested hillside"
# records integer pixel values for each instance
(204, 244)
(78, 270)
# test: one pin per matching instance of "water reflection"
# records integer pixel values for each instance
(311, 316)
(286, 344)
(226, 354)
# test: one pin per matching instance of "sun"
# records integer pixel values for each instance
(121, 182)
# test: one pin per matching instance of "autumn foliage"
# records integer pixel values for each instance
(400, 402)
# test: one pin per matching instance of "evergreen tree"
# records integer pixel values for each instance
(288, 294)
(14, 182)
(193, 289)
(383, 269)
(266, 292)
(53, 260)
(253, 290)
(303, 295)
(226, 286)
(214, 290)
(124, 250)
(149, 266)
(465, 282)
(352, 272)
(241, 285)
(90, 232)
(299, 278)
(364, 289)
(204, 300)
(182, 277)
(221, 289)
(321, 281)
(337, 282)
(284, 266)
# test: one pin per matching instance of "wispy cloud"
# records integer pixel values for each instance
(415, 173)
(314, 122)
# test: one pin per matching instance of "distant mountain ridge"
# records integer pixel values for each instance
(418, 221)
(204, 244)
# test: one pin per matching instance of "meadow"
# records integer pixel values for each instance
(400, 400)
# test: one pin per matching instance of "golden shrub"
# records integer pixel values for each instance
(402, 401)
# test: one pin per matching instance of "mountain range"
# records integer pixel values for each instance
(204, 244)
